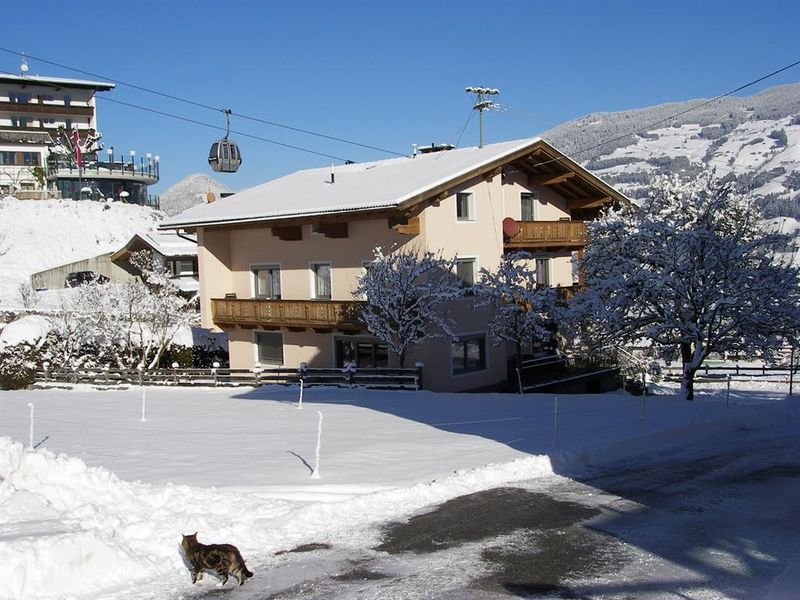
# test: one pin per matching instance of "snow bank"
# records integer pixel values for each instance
(30, 329)
(113, 532)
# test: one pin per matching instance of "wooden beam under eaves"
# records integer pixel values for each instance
(405, 226)
(589, 202)
(333, 230)
(552, 179)
(288, 233)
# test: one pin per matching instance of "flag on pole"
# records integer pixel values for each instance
(76, 142)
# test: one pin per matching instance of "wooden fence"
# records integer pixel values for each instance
(375, 378)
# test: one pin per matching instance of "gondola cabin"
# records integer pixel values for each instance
(224, 156)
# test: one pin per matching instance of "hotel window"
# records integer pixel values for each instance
(543, 272)
(468, 354)
(321, 273)
(528, 202)
(465, 271)
(270, 347)
(465, 207)
(267, 281)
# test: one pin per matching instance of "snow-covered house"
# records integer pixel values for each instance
(279, 262)
(36, 115)
(177, 251)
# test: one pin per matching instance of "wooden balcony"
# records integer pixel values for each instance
(295, 315)
(547, 235)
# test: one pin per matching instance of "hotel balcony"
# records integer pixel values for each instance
(295, 315)
(544, 235)
(42, 108)
(146, 171)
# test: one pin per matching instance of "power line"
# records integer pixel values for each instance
(204, 124)
(202, 105)
(683, 112)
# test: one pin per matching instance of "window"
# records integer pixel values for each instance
(364, 353)
(543, 272)
(528, 205)
(20, 121)
(267, 281)
(184, 268)
(468, 354)
(321, 273)
(270, 347)
(465, 209)
(28, 159)
(465, 270)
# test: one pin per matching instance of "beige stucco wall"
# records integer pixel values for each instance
(226, 258)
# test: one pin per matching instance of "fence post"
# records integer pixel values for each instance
(256, 373)
(641, 416)
(418, 375)
(519, 381)
(30, 433)
(791, 372)
(214, 367)
(555, 421)
(175, 372)
(728, 393)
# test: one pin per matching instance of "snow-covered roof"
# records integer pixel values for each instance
(57, 81)
(167, 243)
(356, 187)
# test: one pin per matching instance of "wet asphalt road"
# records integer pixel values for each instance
(719, 524)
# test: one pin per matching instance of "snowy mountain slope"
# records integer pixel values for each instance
(753, 140)
(40, 234)
(189, 191)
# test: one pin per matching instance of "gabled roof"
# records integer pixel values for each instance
(168, 244)
(397, 183)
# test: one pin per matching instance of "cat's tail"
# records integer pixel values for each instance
(245, 571)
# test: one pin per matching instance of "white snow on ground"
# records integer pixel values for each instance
(97, 511)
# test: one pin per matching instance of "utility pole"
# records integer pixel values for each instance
(481, 104)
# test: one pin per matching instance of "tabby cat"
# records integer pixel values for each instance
(220, 559)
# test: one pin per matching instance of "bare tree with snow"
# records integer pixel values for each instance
(405, 291)
(695, 269)
(522, 312)
(136, 320)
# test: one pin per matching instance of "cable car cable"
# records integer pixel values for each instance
(201, 105)
(204, 124)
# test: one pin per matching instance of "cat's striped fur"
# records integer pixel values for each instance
(220, 559)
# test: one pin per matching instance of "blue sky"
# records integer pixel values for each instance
(388, 74)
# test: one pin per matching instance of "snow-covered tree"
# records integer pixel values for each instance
(695, 270)
(404, 292)
(522, 312)
(136, 320)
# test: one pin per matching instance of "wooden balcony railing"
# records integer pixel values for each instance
(300, 314)
(548, 235)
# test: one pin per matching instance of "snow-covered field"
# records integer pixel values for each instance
(98, 509)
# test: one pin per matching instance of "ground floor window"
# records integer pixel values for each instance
(365, 354)
(270, 347)
(468, 354)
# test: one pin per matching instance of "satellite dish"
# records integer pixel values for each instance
(510, 227)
